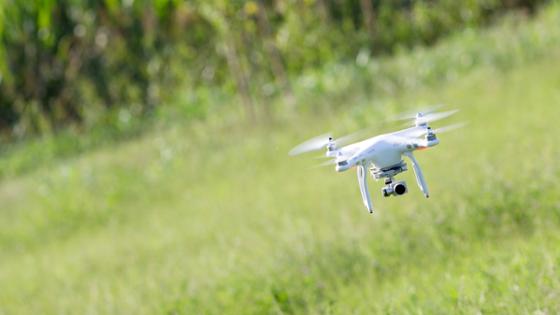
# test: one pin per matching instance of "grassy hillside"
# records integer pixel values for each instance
(213, 220)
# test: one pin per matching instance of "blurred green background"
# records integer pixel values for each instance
(144, 167)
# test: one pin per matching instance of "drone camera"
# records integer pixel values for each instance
(395, 189)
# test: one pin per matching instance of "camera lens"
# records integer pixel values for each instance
(400, 189)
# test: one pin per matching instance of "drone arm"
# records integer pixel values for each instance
(362, 180)
(419, 175)
(420, 144)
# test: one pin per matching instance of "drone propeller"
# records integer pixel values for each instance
(424, 119)
(326, 163)
(320, 142)
(412, 114)
(420, 132)
(312, 144)
(450, 127)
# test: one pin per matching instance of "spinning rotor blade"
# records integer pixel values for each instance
(434, 116)
(412, 114)
(450, 127)
(415, 133)
(322, 141)
(313, 144)
(342, 141)
(421, 131)
(326, 163)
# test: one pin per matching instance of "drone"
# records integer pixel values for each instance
(383, 154)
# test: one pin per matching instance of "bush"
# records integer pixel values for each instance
(71, 62)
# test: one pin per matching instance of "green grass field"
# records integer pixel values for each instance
(208, 219)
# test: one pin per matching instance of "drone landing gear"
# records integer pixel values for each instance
(362, 180)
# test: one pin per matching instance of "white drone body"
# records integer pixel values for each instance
(383, 155)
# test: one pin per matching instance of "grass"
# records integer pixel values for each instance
(203, 219)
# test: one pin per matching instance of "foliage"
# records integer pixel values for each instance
(68, 59)
(69, 62)
(214, 219)
(370, 82)
(514, 41)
